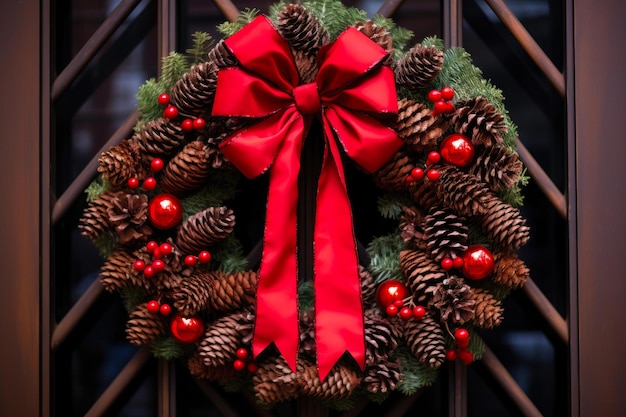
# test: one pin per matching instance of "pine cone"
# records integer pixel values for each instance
(424, 193)
(143, 327)
(381, 337)
(275, 382)
(306, 65)
(368, 286)
(198, 369)
(233, 291)
(221, 56)
(426, 340)
(95, 220)
(120, 163)
(498, 166)
(193, 94)
(464, 193)
(488, 310)
(223, 337)
(204, 228)
(417, 126)
(411, 228)
(510, 270)
(479, 120)
(392, 175)
(307, 333)
(117, 271)
(301, 29)
(194, 293)
(378, 35)
(340, 382)
(159, 138)
(128, 214)
(188, 170)
(504, 224)
(419, 67)
(383, 376)
(454, 300)
(445, 234)
(422, 273)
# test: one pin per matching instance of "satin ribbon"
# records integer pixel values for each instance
(354, 96)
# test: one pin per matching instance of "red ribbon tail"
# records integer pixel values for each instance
(338, 306)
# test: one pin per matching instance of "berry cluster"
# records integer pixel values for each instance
(405, 311)
(171, 112)
(392, 297)
(462, 352)
(418, 173)
(149, 183)
(158, 252)
(442, 100)
(244, 361)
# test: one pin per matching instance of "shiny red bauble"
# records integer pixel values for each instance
(165, 211)
(390, 291)
(186, 329)
(457, 149)
(478, 262)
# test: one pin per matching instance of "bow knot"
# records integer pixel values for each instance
(358, 96)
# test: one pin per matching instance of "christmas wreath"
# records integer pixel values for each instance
(431, 134)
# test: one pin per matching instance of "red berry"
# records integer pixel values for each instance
(153, 306)
(166, 248)
(242, 353)
(164, 99)
(252, 367)
(199, 123)
(433, 158)
(139, 265)
(398, 303)
(149, 184)
(187, 125)
(417, 173)
(156, 165)
(239, 365)
(170, 112)
(449, 107)
(190, 260)
(451, 354)
(132, 183)
(419, 312)
(440, 107)
(463, 344)
(158, 265)
(405, 313)
(434, 96)
(466, 356)
(409, 179)
(447, 263)
(149, 271)
(461, 334)
(447, 93)
(204, 257)
(151, 246)
(165, 309)
(433, 175)
(391, 310)
(457, 262)
(156, 253)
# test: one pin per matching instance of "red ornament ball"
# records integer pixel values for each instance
(165, 211)
(457, 149)
(478, 262)
(186, 329)
(390, 291)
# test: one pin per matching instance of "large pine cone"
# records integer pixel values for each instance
(392, 175)
(204, 228)
(188, 170)
(454, 300)
(121, 162)
(275, 382)
(378, 35)
(128, 214)
(479, 120)
(230, 292)
(464, 193)
(143, 327)
(194, 293)
(498, 166)
(159, 138)
(383, 376)
(301, 29)
(445, 234)
(95, 219)
(504, 224)
(340, 382)
(221, 56)
(417, 126)
(425, 194)
(426, 340)
(117, 271)
(381, 337)
(419, 67)
(488, 310)
(224, 336)
(510, 270)
(193, 94)
(411, 228)
(422, 273)
(198, 369)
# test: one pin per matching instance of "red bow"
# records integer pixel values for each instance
(353, 93)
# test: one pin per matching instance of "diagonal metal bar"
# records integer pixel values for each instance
(92, 46)
(120, 383)
(544, 182)
(218, 401)
(228, 9)
(70, 321)
(79, 184)
(506, 381)
(529, 44)
(546, 309)
(389, 7)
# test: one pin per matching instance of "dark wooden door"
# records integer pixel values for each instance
(69, 72)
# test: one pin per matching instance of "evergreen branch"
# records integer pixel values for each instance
(201, 42)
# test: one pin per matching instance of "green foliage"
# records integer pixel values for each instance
(334, 15)
(132, 296)
(106, 243)
(97, 187)
(173, 67)
(230, 28)
(275, 9)
(167, 348)
(384, 261)
(513, 195)
(435, 41)
(476, 346)
(220, 187)
(341, 404)
(378, 397)
(306, 295)
(400, 36)
(416, 375)
(200, 48)
(147, 104)
(390, 205)
(228, 256)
